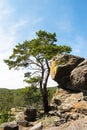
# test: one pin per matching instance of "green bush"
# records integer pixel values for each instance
(4, 117)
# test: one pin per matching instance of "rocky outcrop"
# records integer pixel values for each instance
(69, 106)
(61, 68)
(72, 112)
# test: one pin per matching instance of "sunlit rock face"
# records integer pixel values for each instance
(61, 68)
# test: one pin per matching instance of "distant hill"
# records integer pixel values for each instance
(17, 95)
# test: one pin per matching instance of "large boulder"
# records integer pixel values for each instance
(61, 67)
(78, 76)
(23, 118)
(30, 113)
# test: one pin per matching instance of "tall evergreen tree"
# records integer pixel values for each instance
(35, 56)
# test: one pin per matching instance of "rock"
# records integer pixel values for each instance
(72, 105)
(11, 126)
(30, 113)
(70, 101)
(23, 123)
(19, 116)
(60, 122)
(23, 118)
(20, 119)
(80, 107)
(61, 67)
(60, 95)
(72, 111)
(65, 118)
(78, 76)
(74, 116)
(38, 126)
(80, 124)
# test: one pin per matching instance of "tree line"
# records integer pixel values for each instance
(20, 98)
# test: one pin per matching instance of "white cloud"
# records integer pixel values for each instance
(2, 2)
(6, 38)
(9, 34)
(19, 24)
(5, 10)
(10, 78)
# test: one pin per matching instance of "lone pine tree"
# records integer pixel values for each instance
(35, 55)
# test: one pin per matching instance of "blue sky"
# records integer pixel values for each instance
(20, 19)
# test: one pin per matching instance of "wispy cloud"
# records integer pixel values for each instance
(5, 36)
(8, 36)
(19, 24)
(5, 10)
(20, 19)
(10, 32)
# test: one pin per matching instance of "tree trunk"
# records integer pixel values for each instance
(45, 102)
(43, 88)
